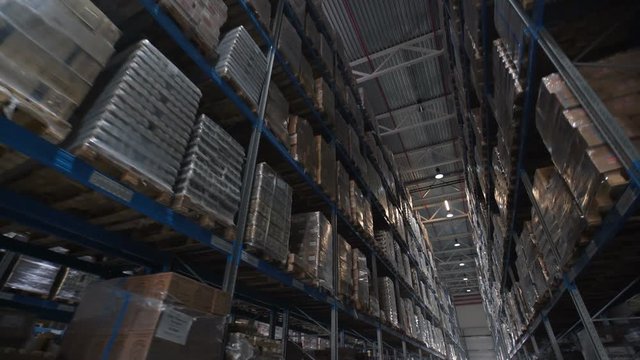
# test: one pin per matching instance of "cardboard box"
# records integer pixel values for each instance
(160, 316)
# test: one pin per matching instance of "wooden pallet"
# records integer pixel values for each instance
(126, 174)
(259, 252)
(183, 204)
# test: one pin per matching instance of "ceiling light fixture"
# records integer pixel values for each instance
(456, 243)
(449, 215)
(461, 264)
(439, 175)
(465, 278)
(468, 290)
(446, 205)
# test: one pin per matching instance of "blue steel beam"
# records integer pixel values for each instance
(70, 261)
(44, 309)
(32, 213)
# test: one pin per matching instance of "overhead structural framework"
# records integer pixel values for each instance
(417, 47)
(384, 131)
(425, 106)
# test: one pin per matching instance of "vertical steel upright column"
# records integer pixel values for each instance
(285, 332)
(272, 324)
(233, 260)
(419, 354)
(586, 321)
(335, 258)
(379, 340)
(552, 338)
(534, 343)
(404, 349)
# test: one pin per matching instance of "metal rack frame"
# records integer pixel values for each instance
(29, 212)
(613, 135)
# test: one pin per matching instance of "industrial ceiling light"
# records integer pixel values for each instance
(449, 215)
(461, 264)
(465, 278)
(439, 175)
(446, 205)
(456, 243)
(468, 290)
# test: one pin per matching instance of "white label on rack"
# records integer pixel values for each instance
(111, 186)
(174, 326)
(250, 259)
(297, 284)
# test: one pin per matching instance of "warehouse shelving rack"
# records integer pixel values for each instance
(541, 43)
(44, 218)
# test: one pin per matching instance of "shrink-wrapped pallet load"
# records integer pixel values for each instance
(33, 276)
(140, 125)
(345, 270)
(160, 316)
(269, 222)
(51, 53)
(311, 250)
(301, 144)
(361, 280)
(326, 172)
(388, 307)
(211, 175)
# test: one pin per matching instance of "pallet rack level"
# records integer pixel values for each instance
(65, 226)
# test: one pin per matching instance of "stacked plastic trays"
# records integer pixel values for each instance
(388, 306)
(311, 250)
(269, 221)
(49, 59)
(211, 175)
(242, 64)
(142, 121)
(360, 280)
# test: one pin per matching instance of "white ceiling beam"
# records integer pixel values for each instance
(381, 70)
(455, 250)
(387, 132)
(451, 237)
(393, 49)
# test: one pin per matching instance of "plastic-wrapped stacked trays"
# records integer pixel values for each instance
(242, 64)
(73, 284)
(345, 269)
(142, 121)
(310, 243)
(211, 174)
(269, 220)
(32, 275)
(388, 300)
(361, 279)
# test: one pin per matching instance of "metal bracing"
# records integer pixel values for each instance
(431, 165)
(429, 147)
(419, 107)
(460, 270)
(439, 220)
(458, 236)
(438, 200)
(231, 268)
(450, 178)
(406, 52)
(455, 250)
(285, 332)
(552, 338)
(384, 131)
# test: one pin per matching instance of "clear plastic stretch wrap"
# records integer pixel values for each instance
(242, 346)
(325, 100)
(277, 114)
(368, 218)
(51, 53)
(242, 64)
(361, 279)
(290, 44)
(511, 29)
(344, 199)
(211, 175)
(388, 305)
(161, 316)
(73, 285)
(32, 275)
(310, 246)
(143, 119)
(384, 241)
(342, 132)
(508, 88)
(301, 144)
(311, 31)
(345, 269)
(357, 203)
(269, 219)
(327, 166)
(201, 19)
